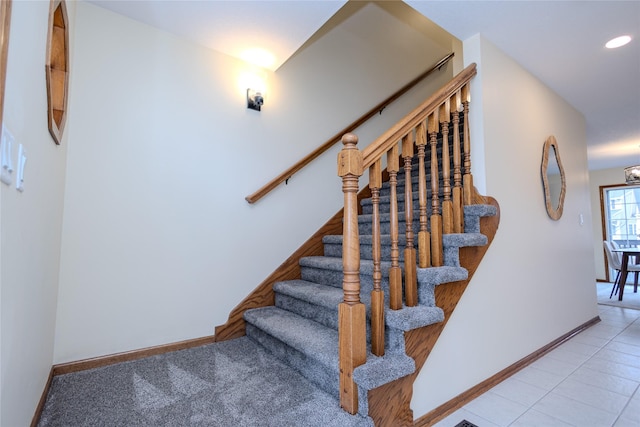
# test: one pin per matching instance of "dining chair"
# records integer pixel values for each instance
(615, 261)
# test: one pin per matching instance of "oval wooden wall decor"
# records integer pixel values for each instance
(554, 182)
(57, 68)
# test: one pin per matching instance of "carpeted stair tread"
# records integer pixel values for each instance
(400, 196)
(461, 240)
(409, 318)
(335, 264)
(366, 239)
(386, 217)
(481, 210)
(316, 341)
(313, 293)
(329, 297)
(472, 215)
(440, 275)
(458, 240)
(379, 371)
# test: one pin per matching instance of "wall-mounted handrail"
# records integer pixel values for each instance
(337, 137)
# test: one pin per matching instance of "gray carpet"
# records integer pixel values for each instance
(232, 383)
(629, 299)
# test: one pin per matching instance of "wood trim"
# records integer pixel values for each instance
(459, 401)
(384, 142)
(603, 226)
(43, 399)
(266, 189)
(98, 362)
(5, 25)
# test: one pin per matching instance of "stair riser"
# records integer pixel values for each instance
(324, 378)
(334, 278)
(394, 338)
(385, 208)
(365, 228)
(322, 315)
(366, 251)
(400, 188)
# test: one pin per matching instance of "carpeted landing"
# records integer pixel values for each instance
(233, 383)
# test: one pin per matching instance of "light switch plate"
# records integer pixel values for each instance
(6, 155)
(22, 159)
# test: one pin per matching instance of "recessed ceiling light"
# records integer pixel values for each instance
(617, 42)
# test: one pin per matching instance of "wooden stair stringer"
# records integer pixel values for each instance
(389, 405)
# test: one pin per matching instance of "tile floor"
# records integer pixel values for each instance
(592, 380)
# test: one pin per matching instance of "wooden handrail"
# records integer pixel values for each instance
(384, 143)
(266, 189)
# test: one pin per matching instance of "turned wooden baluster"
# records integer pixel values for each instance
(447, 208)
(436, 218)
(395, 273)
(377, 295)
(467, 179)
(424, 244)
(351, 312)
(458, 211)
(410, 279)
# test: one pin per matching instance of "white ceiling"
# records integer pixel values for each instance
(560, 42)
(234, 26)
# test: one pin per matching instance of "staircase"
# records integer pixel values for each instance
(298, 319)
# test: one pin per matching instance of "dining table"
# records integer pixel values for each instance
(626, 253)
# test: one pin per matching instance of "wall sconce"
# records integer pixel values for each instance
(254, 99)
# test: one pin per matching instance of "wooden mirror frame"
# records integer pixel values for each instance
(554, 213)
(57, 68)
(5, 23)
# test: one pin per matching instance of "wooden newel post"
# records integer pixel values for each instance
(351, 312)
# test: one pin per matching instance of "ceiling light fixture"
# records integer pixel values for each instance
(632, 175)
(618, 42)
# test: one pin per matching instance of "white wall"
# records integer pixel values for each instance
(31, 221)
(613, 176)
(537, 280)
(159, 244)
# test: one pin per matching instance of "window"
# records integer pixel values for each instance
(622, 215)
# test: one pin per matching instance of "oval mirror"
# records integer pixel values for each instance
(553, 179)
